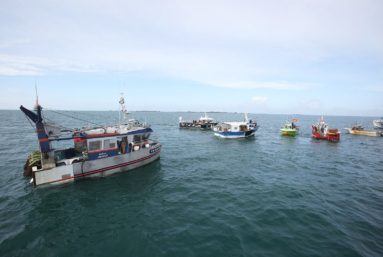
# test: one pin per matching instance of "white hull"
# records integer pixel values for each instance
(97, 168)
(233, 136)
(378, 124)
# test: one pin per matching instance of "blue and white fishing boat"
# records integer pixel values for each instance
(96, 152)
(246, 128)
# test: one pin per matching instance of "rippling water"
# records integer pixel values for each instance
(267, 195)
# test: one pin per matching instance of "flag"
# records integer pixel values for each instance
(294, 120)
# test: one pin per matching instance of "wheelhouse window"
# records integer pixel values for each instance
(110, 143)
(94, 146)
(137, 139)
(145, 137)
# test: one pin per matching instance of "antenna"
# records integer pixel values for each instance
(145, 113)
(37, 97)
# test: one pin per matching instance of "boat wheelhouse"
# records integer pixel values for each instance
(322, 131)
(246, 128)
(202, 123)
(96, 152)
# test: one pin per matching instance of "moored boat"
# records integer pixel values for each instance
(97, 151)
(322, 131)
(358, 130)
(290, 129)
(378, 123)
(202, 123)
(246, 128)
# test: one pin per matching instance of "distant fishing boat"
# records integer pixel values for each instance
(322, 131)
(358, 130)
(97, 151)
(290, 129)
(202, 123)
(378, 123)
(246, 128)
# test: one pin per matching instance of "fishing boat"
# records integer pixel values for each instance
(290, 129)
(246, 128)
(96, 152)
(378, 123)
(202, 123)
(358, 130)
(322, 131)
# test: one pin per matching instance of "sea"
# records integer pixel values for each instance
(267, 195)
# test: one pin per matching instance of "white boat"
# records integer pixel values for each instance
(246, 128)
(378, 123)
(358, 130)
(203, 123)
(96, 152)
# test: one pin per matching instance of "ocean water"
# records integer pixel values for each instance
(268, 195)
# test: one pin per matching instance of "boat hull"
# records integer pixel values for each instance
(365, 133)
(97, 168)
(327, 136)
(378, 124)
(289, 132)
(240, 134)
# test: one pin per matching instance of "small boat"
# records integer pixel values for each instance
(246, 128)
(96, 151)
(358, 130)
(290, 129)
(378, 123)
(322, 131)
(202, 123)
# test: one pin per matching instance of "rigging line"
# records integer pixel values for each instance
(30, 123)
(48, 109)
(63, 127)
(74, 117)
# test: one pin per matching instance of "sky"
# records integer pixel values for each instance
(277, 57)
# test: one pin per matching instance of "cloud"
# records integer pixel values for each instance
(246, 44)
(306, 104)
(374, 88)
(11, 65)
(259, 100)
(15, 91)
(14, 42)
(272, 85)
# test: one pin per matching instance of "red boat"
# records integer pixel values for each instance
(321, 131)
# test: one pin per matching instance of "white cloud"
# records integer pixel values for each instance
(374, 88)
(11, 65)
(273, 85)
(259, 100)
(15, 91)
(307, 104)
(14, 42)
(246, 44)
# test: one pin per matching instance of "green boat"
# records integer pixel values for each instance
(290, 129)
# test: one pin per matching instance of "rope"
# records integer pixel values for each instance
(63, 127)
(30, 123)
(49, 109)
(74, 117)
